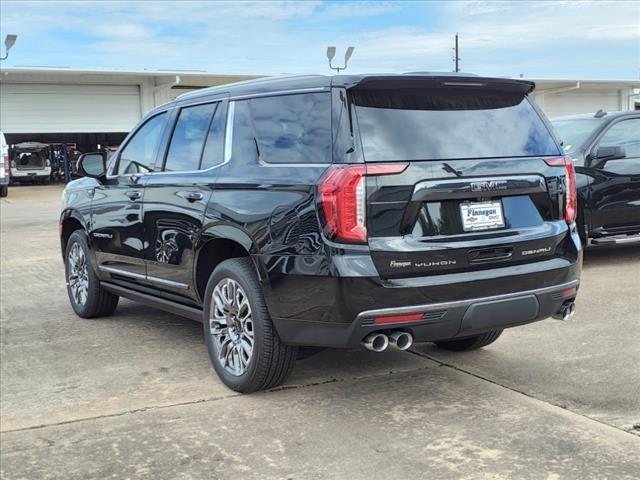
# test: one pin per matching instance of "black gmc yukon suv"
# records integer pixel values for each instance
(372, 210)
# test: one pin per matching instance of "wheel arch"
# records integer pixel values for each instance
(70, 221)
(220, 243)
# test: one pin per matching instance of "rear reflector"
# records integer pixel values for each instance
(569, 291)
(412, 317)
(571, 194)
(343, 199)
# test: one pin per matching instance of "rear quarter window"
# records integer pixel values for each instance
(293, 128)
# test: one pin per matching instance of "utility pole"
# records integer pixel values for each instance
(456, 57)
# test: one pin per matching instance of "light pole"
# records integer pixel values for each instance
(8, 43)
(331, 52)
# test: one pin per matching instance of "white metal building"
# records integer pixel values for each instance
(566, 97)
(91, 107)
(87, 107)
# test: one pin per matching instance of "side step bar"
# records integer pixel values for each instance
(156, 302)
(617, 240)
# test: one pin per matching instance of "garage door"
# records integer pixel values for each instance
(45, 108)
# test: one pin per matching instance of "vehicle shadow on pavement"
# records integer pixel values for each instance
(596, 256)
(325, 366)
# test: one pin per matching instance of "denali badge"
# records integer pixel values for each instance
(396, 264)
(102, 235)
(537, 250)
(488, 185)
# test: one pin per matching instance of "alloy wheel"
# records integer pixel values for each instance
(78, 274)
(231, 326)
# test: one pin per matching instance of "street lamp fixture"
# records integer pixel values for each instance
(8, 43)
(331, 53)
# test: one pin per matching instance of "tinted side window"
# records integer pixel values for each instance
(188, 138)
(624, 134)
(140, 153)
(243, 141)
(293, 128)
(212, 153)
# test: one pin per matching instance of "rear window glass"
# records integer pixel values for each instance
(449, 124)
(293, 128)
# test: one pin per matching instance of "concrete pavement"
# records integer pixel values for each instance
(133, 395)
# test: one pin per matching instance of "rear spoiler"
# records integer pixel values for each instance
(392, 82)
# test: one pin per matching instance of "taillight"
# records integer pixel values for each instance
(571, 194)
(343, 199)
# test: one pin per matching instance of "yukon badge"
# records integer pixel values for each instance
(488, 185)
(437, 263)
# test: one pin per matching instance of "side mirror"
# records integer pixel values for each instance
(603, 154)
(92, 165)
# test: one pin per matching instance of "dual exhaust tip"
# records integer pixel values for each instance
(566, 312)
(379, 342)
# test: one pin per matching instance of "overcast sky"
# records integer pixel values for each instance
(539, 39)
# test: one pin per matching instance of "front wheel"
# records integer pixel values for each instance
(88, 298)
(244, 347)
(470, 343)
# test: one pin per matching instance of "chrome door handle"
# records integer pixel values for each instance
(134, 194)
(193, 196)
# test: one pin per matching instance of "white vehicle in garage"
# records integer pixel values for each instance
(31, 162)
(4, 167)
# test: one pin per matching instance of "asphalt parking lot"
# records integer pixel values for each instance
(134, 396)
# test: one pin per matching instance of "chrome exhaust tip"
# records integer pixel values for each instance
(566, 312)
(400, 340)
(376, 342)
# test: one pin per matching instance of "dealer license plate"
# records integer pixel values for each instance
(481, 216)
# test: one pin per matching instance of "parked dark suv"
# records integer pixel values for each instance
(331, 212)
(605, 147)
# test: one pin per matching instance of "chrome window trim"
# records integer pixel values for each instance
(228, 133)
(459, 303)
(279, 93)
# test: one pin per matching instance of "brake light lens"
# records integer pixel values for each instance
(571, 194)
(342, 198)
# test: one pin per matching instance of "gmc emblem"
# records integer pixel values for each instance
(488, 185)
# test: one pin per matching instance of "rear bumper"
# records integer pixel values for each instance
(332, 303)
(439, 321)
(26, 174)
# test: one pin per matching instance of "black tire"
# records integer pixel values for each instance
(470, 343)
(4, 191)
(270, 360)
(98, 302)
